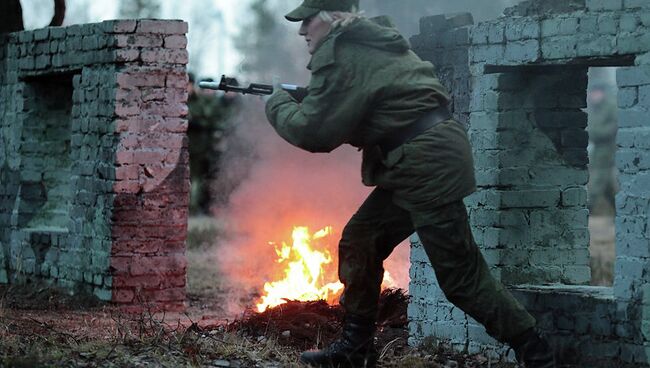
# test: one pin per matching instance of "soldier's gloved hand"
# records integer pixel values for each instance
(277, 86)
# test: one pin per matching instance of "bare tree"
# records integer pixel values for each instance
(11, 15)
(59, 13)
(269, 46)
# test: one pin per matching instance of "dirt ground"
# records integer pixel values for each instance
(48, 329)
(43, 327)
(602, 249)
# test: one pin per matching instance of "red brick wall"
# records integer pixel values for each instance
(149, 224)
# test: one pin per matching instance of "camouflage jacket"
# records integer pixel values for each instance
(366, 84)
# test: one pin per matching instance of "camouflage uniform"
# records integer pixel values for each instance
(366, 84)
(206, 116)
(602, 130)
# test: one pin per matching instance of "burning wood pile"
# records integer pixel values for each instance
(300, 307)
(308, 324)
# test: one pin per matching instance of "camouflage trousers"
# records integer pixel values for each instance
(463, 275)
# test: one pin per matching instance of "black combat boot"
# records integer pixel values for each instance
(533, 351)
(354, 349)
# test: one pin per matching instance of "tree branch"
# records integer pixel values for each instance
(59, 13)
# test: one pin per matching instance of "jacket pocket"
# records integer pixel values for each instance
(370, 165)
(393, 157)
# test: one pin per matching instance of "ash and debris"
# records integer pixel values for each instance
(313, 324)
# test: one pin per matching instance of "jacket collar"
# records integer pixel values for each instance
(324, 55)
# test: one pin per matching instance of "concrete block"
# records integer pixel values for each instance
(41, 34)
(628, 97)
(491, 54)
(118, 26)
(629, 23)
(628, 160)
(639, 185)
(522, 29)
(57, 32)
(636, 4)
(643, 59)
(580, 275)
(90, 42)
(631, 268)
(645, 18)
(642, 141)
(596, 46)
(633, 118)
(644, 96)
(550, 27)
(42, 62)
(608, 23)
(604, 5)
(559, 26)
(522, 51)
(496, 33)
(634, 353)
(478, 33)
(560, 47)
(530, 198)
(630, 43)
(574, 197)
(104, 294)
(577, 138)
(161, 27)
(632, 205)
(588, 24)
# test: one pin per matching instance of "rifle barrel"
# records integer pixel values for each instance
(209, 85)
(254, 88)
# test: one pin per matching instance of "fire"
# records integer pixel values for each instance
(305, 278)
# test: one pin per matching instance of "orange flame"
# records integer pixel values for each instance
(304, 277)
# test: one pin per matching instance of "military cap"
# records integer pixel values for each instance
(309, 8)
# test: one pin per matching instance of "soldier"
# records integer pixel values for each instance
(368, 89)
(207, 125)
(602, 130)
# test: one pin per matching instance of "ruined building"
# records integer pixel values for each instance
(519, 83)
(94, 175)
(94, 172)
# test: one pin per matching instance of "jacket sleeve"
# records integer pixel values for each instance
(327, 117)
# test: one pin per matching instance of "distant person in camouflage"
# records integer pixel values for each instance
(368, 89)
(207, 127)
(602, 128)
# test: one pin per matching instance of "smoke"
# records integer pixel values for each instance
(282, 187)
(407, 14)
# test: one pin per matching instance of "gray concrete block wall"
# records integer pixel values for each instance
(47, 131)
(527, 88)
(443, 41)
(633, 201)
(93, 129)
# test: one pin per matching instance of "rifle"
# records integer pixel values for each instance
(229, 85)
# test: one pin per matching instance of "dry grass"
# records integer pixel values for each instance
(204, 232)
(135, 341)
(27, 339)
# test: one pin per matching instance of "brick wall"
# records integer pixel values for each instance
(94, 163)
(526, 78)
